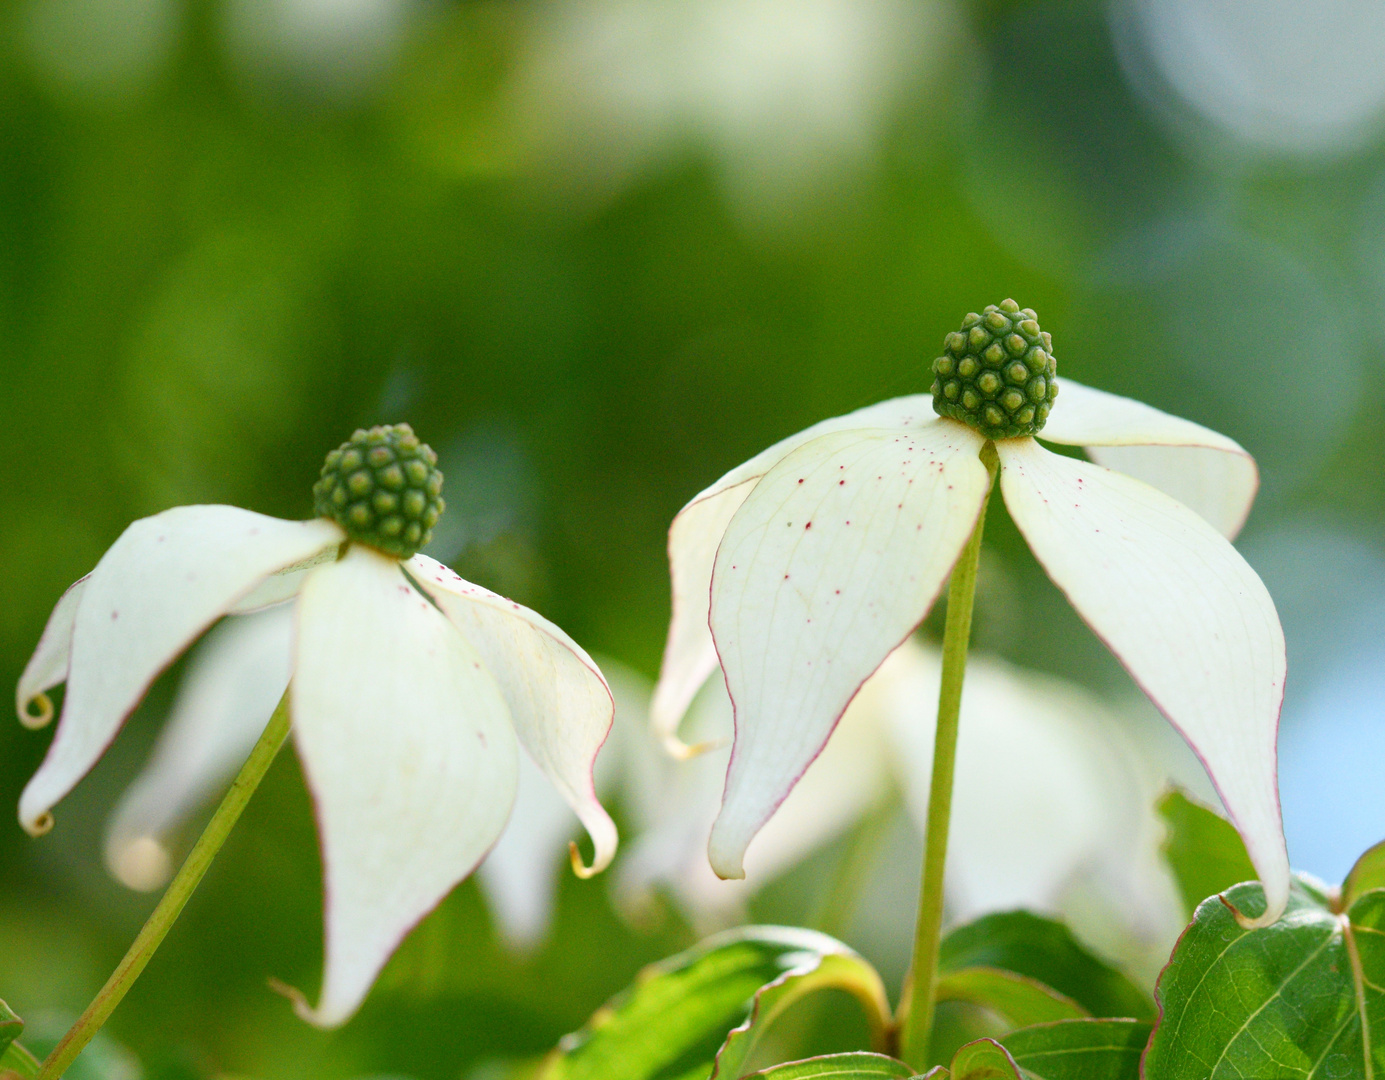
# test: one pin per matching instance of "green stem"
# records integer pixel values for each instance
(179, 890)
(917, 1007)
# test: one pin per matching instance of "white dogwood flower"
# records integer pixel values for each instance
(802, 569)
(409, 689)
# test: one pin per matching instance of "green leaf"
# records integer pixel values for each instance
(984, 1059)
(1299, 999)
(14, 1059)
(1080, 1049)
(1367, 874)
(18, 1062)
(1203, 849)
(1086, 1049)
(10, 1025)
(683, 1007)
(835, 971)
(1045, 951)
(855, 1066)
(1017, 998)
(700, 1071)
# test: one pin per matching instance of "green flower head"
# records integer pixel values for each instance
(384, 488)
(997, 374)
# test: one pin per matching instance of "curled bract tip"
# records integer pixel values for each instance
(35, 720)
(727, 859)
(1245, 922)
(40, 825)
(299, 1000)
(677, 749)
(580, 868)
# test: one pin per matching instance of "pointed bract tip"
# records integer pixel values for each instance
(140, 863)
(35, 720)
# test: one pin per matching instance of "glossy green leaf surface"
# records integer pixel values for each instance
(834, 971)
(857, 1066)
(1203, 849)
(1367, 874)
(1019, 999)
(740, 980)
(1080, 1049)
(1044, 950)
(1299, 999)
(984, 1059)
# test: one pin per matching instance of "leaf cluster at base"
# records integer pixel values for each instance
(702, 1014)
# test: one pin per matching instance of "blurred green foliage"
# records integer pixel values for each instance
(219, 255)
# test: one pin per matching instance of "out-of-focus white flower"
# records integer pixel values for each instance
(1279, 74)
(786, 94)
(233, 680)
(1050, 800)
(333, 48)
(520, 875)
(1052, 806)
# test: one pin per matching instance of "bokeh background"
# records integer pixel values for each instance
(597, 252)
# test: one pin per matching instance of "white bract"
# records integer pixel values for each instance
(410, 688)
(802, 569)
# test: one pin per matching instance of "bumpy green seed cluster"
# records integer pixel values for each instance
(998, 373)
(384, 488)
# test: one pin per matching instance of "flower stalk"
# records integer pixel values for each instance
(916, 1010)
(174, 899)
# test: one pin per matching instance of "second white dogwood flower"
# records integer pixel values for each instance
(802, 569)
(410, 687)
